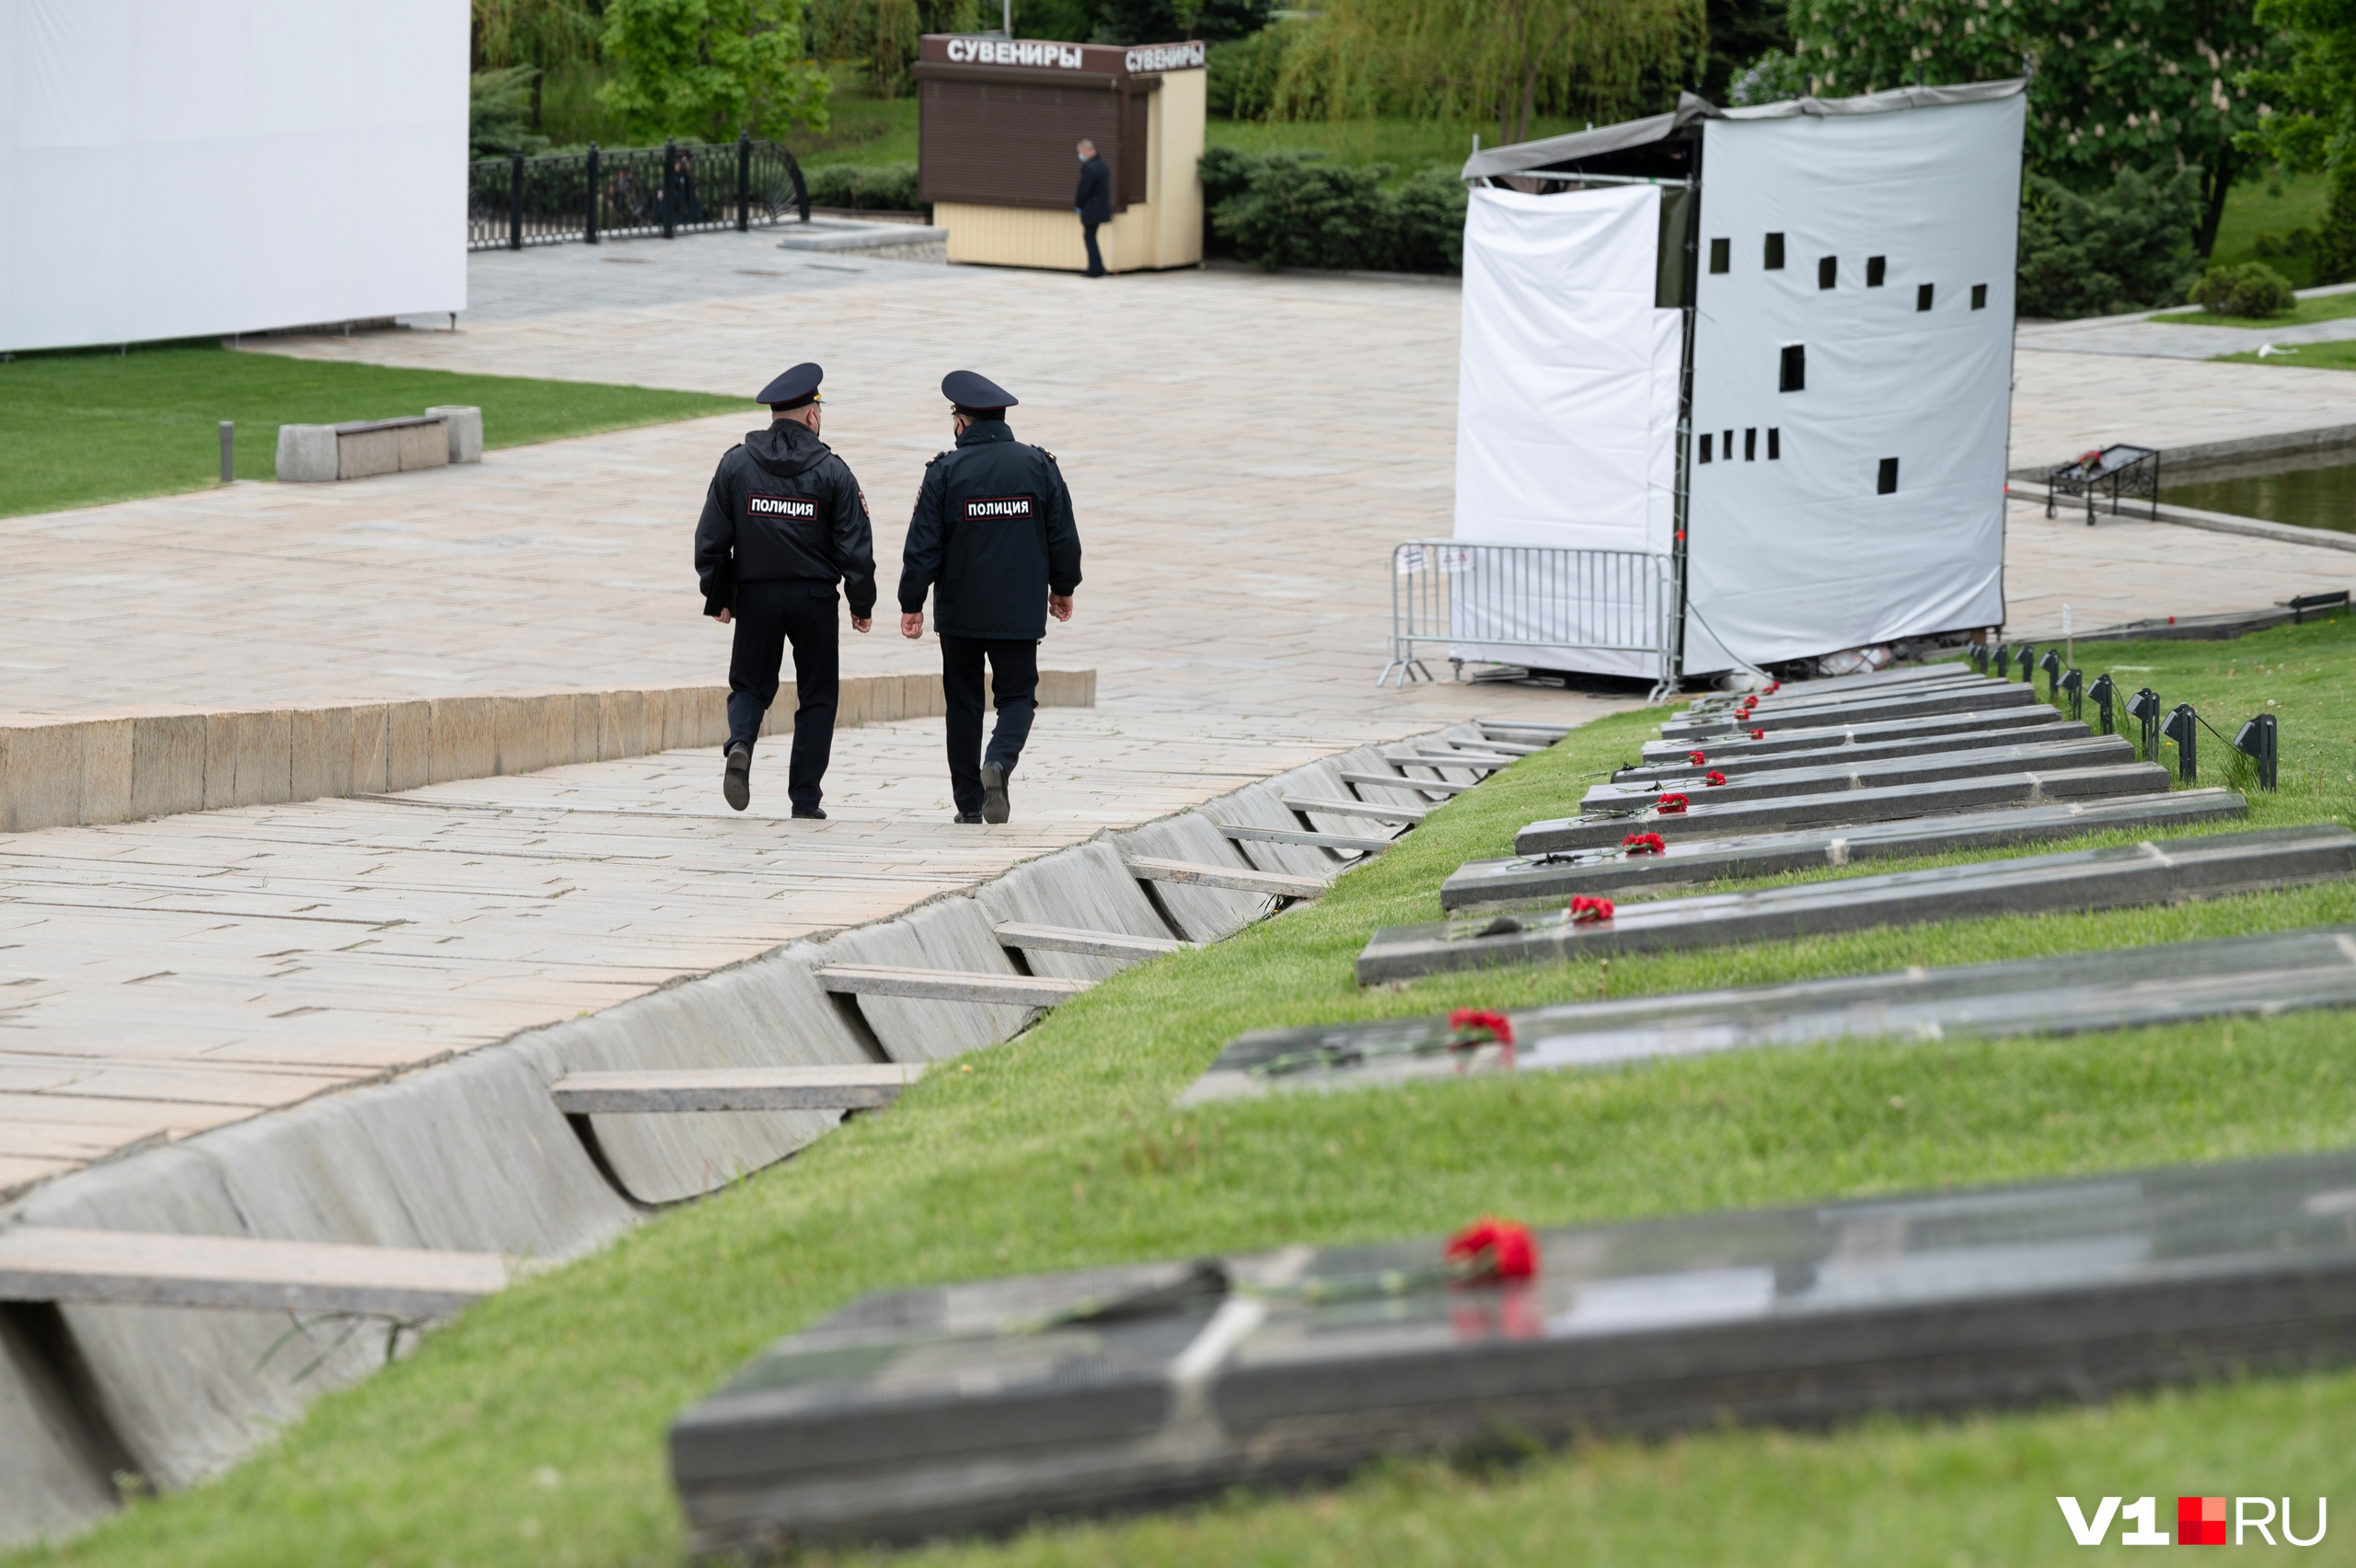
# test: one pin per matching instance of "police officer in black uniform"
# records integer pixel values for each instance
(993, 539)
(783, 522)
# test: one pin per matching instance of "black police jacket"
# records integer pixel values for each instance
(782, 507)
(1093, 199)
(992, 536)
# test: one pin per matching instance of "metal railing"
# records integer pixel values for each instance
(1536, 598)
(678, 188)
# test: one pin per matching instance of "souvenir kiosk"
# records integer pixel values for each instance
(1771, 347)
(997, 119)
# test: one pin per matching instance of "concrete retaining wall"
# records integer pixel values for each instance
(58, 772)
(473, 1154)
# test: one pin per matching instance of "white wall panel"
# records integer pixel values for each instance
(191, 168)
(1799, 555)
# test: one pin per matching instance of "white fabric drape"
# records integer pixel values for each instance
(1566, 414)
(188, 168)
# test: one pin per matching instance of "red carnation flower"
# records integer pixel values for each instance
(1493, 1249)
(1669, 805)
(1586, 911)
(1715, 777)
(1471, 1028)
(1758, 734)
(1644, 843)
(1775, 687)
(1696, 758)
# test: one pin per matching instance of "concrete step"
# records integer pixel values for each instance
(1091, 944)
(2118, 877)
(1294, 835)
(1372, 813)
(145, 1269)
(1480, 765)
(1274, 884)
(948, 985)
(1397, 781)
(853, 1087)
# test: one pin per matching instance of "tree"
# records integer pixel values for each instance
(2155, 85)
(2307, 113)
(1500, 60)
(705, 68)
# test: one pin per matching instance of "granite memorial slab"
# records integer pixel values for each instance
(2069, 880)
(1813, 694)
(2122, 989)
(1859, 773)
(1703, 818)
(1679, 763)
(1683, 863)
(978, 1407)
(1824, 736)
(1950, 698)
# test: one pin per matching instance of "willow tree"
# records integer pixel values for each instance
(1501, 61)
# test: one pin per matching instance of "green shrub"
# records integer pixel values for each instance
(1299, 209)
(2253, 288)
(2128, 247)
(890, 187)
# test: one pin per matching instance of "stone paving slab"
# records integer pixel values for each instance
(2115, 877)
(2124, 989)
(163, 978)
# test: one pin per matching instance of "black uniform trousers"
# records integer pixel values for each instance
(1014, 681)
(1095, 257)
(769, 616)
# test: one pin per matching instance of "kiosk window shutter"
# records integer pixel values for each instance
(1135, 137)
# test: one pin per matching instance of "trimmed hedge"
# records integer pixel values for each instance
(2128, 247)
(1299, 209)
(881, 188)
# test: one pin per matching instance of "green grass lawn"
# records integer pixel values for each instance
(531, 1428)
(2311, 356)
(2266, 201)
(2325, 308)
(77, 429)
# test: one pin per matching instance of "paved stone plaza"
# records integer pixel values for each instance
(1242, 451)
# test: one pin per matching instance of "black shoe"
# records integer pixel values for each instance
(814, 814)
(994, 805)
(737, 782)
(968, 816)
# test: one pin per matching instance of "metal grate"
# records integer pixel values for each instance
(1529, 596)
(678, 188)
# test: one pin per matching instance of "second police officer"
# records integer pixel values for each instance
(993, 540)
(783, 522)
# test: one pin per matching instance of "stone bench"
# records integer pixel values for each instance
(360, 449)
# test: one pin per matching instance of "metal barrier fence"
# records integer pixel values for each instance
(1532, 597)
(678, 188)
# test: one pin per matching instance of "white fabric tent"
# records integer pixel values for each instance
(1850, 360)
(1566, 403)
(188, 168)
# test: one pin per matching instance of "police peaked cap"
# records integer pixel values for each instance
(969, 389)
(792, 389)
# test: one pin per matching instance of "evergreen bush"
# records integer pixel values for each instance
(2253, 288)
(1299, 209)
(890, 187)
(2128, 247)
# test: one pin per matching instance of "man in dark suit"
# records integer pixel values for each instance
(783, 522)
(992, 539)
(1094, 202)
